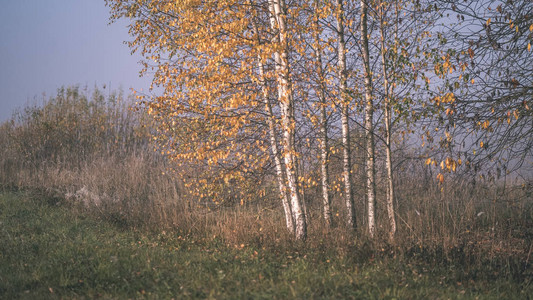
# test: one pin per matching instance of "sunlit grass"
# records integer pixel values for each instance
(49, 250)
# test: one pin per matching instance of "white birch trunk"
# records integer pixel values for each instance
(279, 168)
(388, 133)
(323, 139)
(286, 101)
(369, 125)
(274, 140)
(345, 103)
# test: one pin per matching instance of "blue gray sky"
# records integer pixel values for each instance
(48, 44)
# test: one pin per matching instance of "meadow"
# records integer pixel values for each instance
(51, 251)
(88, 209)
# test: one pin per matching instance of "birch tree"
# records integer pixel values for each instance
(387, 119)
(323, 123)
(273, 133)
(209, 61)
(345, 109)
(286, 102)
(369, 123)
(489, 45)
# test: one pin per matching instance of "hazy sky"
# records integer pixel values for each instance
(48, 44)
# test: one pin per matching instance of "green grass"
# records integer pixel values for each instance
(52, 251)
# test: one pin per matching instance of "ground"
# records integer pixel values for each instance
(50, 250)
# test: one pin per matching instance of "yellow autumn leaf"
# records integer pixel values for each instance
(440, 177)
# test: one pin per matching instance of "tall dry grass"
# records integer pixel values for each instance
(92, 151)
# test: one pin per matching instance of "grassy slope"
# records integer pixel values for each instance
(49, 251)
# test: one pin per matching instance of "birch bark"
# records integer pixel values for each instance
(273, 139)
(286, 102)
(388, 133)
(345, 105)
(369, 125)
(323, 139)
